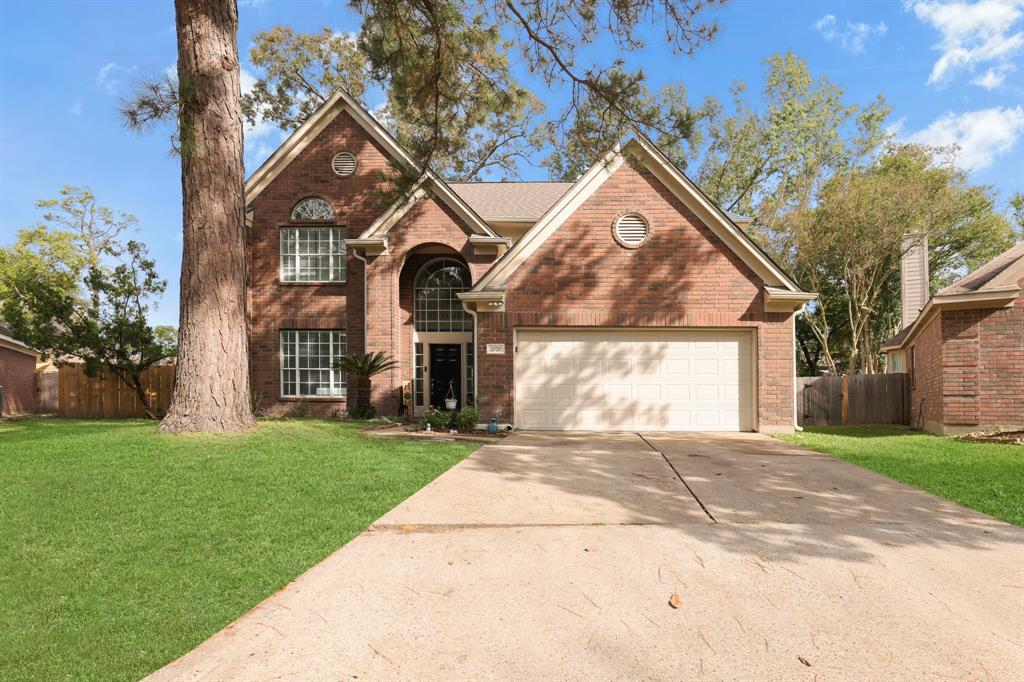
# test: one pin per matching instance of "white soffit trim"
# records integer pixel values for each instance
(313, 126)
(550, 221)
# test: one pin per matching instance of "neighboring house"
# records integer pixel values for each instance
(964, 346)
(17, 374)
(624, 300)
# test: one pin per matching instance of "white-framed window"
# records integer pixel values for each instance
(436, 306)
(312, 208)
(307, 363)
(313, 254)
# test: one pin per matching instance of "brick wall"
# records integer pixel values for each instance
(17, 376)
(429, 230)
(970, 369)
(924, 363)
(682, 276)
(1001, 361)
(274, 305)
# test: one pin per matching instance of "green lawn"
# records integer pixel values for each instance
(982, 476)
(122, 548)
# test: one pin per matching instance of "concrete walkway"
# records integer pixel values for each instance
(553, 556)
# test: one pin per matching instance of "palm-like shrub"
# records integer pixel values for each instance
(365, 366)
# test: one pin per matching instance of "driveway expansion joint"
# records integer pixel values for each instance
(680, 477)
(411, 528)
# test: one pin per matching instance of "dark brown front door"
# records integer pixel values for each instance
(445, 373)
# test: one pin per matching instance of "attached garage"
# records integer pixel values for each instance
(635, 380)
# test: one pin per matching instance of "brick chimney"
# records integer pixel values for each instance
(913, 278)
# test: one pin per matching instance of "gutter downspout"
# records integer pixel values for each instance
(796, 421)
(366, 309)
(476, 361)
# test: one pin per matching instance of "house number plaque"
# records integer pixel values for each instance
(495, 349)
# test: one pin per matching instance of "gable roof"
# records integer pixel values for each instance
(341, 102)
(643, 150)
(992, 285)
(428, 184)
(290, 149)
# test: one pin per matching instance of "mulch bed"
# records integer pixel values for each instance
(415, 431)
(1003, 437)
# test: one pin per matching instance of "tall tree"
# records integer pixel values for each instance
(851, 243)
(211, 390)
(770, 158)
(668, 118)
(74, 289)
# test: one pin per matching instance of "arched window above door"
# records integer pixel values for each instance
(436, 307)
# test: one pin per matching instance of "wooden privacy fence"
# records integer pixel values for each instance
(80, 395)
(857, 399)
(47, 392)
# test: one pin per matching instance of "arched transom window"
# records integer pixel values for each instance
(437, 308)
(312, 208)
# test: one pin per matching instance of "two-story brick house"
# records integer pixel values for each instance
(624, 300)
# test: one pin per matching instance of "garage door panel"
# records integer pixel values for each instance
(634, 379)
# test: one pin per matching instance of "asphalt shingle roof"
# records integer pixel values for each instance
(510, 200)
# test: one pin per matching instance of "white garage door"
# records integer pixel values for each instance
(633, 380)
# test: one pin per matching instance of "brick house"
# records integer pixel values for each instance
(964, 346)
(624, 300)
(17, 375)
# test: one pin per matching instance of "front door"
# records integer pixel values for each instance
(445, 373)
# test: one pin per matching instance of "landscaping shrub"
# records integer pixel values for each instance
(438, 421)
(466, 419)
(356, 411)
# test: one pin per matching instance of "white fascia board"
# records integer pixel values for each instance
(559, 212)
(778, 300)
(712, 216)
(991, 298)
(429, 181)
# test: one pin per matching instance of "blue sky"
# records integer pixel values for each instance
(952, 71)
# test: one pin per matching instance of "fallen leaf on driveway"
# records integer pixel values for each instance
(406, 528)
(675, 601)
(804, 661)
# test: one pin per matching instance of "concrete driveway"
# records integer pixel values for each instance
(553, 556)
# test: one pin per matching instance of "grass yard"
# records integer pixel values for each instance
(983, 476)
(122, 548)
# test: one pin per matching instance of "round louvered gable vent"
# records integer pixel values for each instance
(631, 229)
(343, 164)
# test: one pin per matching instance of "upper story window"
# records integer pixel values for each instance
(312, 208)
(312, 254)
(437, 308)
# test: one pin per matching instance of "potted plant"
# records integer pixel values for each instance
(365, 366)
(450, 401)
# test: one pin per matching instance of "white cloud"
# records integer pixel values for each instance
(993, 77)
(972, 36)
(111, 77)
(853, 37)
(981, 135)
(76, 108)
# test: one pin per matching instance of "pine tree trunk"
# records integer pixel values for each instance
(211, 390)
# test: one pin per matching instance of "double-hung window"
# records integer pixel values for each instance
(307, 363)
(312, 254)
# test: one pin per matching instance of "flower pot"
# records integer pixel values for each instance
(450, 403)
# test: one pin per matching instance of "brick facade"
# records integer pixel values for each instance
(682, 276)
(17, 376)
(968, 369)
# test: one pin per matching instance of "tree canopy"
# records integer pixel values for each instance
(74, 289)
